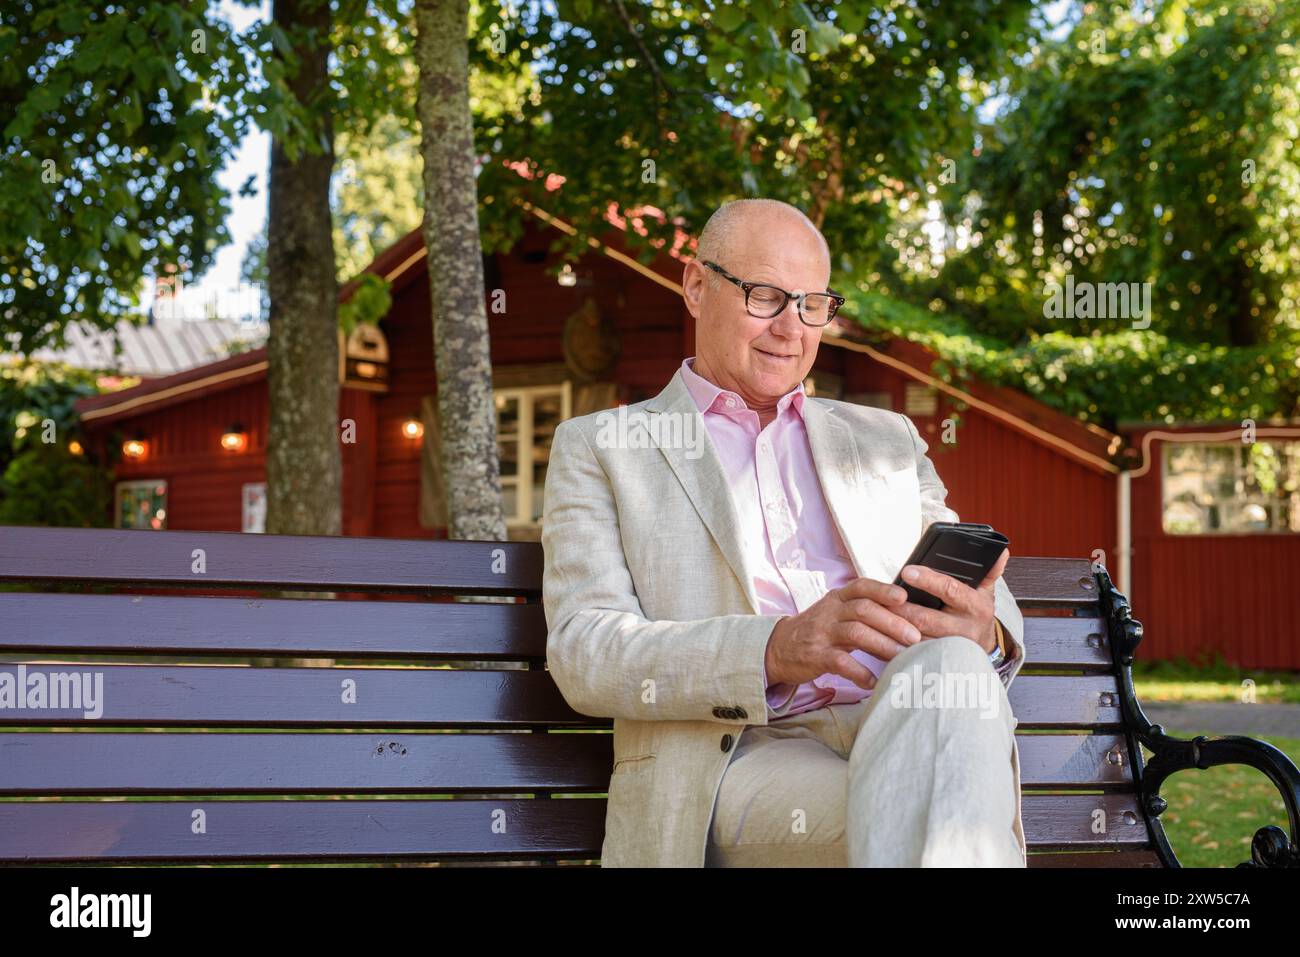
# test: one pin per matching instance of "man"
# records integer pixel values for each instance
(717, 581)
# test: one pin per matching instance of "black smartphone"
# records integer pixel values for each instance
(965, 550)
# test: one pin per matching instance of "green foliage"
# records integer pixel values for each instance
(370, 302)
(378, 193)
(1158, 149)
(46, 485)
(1105, 379)
(831, 106)
(111, 134)
(32, 393)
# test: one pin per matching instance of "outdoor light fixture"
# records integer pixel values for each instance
(413, 428)
(76, 448)
(234, 439)
(567, 276)
(134, 448)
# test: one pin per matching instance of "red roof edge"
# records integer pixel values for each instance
(1097, 446)
(224, 373)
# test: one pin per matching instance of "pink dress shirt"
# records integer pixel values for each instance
(785, 521)
(786, 525)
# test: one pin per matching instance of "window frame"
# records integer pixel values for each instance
(139, 483)
(1167, 447)
(525, 395)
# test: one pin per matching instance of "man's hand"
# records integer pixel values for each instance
(863, 614)
(966, 611)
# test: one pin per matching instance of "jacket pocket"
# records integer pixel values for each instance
(634, 764)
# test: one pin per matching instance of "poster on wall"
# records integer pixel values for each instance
(255, 507)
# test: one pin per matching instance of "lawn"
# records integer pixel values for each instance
(1213, 814)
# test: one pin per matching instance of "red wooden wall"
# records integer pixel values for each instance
(204, 481)
(1239, 594)
(647, 316)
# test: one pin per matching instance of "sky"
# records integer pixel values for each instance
(247, 216)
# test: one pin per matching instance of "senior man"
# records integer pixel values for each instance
(718, 562)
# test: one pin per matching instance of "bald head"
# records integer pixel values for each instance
(757, 355)
(727, 231)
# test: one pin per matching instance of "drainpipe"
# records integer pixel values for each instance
(1125, 536)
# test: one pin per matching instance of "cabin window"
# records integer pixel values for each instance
(140, 504)
(1231, 488)
(526, 421)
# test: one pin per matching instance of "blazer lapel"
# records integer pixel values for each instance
(705, 482)
(839, 469)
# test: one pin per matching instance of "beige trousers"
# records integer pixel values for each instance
(918, 774)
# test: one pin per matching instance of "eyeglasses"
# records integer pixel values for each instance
(766, 302)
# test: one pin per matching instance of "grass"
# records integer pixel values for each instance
(1213, 680)
(1213, 814)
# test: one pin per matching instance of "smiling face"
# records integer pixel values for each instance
(758, 359)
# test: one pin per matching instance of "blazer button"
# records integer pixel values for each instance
(726, 742)
(741, 713)
(719, 712)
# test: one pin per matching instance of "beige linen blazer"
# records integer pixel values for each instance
(650, 605)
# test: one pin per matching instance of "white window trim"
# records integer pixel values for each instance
(524, 490)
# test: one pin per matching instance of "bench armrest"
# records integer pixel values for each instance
(1270, 847)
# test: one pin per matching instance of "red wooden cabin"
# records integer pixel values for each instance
(613, 331)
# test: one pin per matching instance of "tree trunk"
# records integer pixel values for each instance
(303, 464)
(451, 236)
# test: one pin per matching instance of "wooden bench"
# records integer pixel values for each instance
(406, 749)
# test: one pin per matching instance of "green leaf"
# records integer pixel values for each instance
(729, 17)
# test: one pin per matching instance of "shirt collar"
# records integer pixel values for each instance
(710, 398)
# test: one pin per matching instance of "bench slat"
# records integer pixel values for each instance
(39, 763)
(233, 627)
(300, 830)
(232, 696)
(309, 562)
(370, 830)
(241, 696)
(1062, 582)
(1074, 643)
(356, 563)
(1108, 859)
(236, 627)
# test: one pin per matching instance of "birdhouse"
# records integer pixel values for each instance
(363, 359)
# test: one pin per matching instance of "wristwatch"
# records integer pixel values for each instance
(996, 656)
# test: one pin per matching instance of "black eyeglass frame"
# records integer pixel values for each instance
(748, 287)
